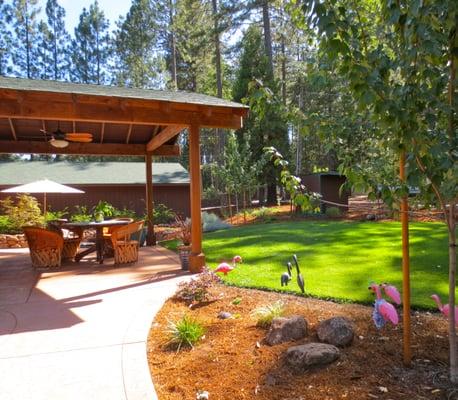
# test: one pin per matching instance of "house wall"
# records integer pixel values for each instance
(328, 186)
(173, 196)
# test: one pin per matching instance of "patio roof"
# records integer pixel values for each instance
(123, 121)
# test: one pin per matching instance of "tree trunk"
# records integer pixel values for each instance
(173, 48)
(271, 194)
(268, 37)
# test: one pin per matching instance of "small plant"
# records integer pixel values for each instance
(264, 315)
(184, 233)
(162, 214)
(104, 208)
(332, 212)
(25, 211)
(197, 289)
(187, 331)
(81, 214)
(211, 222)
(55, 215)
(5, 225)
(237, 301)
(124, 213)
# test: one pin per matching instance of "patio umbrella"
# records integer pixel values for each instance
(42, 186)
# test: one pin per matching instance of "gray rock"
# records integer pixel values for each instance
(337, 331)
(224, 315)
(285, 329)
(305, 356)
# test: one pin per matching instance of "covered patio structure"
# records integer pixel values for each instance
(122, 121)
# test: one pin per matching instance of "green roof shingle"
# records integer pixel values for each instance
(90, 173)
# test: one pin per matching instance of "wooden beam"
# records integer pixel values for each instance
(108, 149)
(129, 132)
(150, 237)
(74, 126)
(13, 130)
(102, 132)
(163, 136)
(197, 258)
(50, 109)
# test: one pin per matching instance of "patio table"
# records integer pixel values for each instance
(99, 246)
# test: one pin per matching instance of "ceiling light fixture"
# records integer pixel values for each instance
(59, 143)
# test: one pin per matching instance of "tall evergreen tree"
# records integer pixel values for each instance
(136, 44)
(5, 39)
(58, 38)
(90, 51)
(44, 52)
(24, 13)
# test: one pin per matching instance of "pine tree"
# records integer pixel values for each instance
(44, 52)
(90, 50)
(58, 38)
(135, 43)
(5, 39)
(24, 13)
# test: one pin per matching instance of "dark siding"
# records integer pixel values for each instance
(175, 197)
(328, 186)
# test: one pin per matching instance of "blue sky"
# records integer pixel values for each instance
(112, 9)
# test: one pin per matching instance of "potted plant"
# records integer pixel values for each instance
(103, 209)
(184, 235)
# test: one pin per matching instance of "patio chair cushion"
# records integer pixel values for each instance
(125, 249)
(45, 247)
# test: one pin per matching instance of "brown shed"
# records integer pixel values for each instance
(119, 183)
(328, 185)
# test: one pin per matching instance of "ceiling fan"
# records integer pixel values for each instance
(61, 139)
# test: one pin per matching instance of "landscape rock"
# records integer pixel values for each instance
(337, 331)
(12, 241)
(285, 329)
(309, 355)
(224, 315)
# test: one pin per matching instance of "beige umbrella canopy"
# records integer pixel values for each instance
(42, 186)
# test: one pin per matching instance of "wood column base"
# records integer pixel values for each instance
(196, 262)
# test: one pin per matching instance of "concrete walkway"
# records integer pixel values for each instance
(80, 333)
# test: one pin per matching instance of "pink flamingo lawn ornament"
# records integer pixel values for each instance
(225, 267)
(392, 293)
(383, 311)
(444, 309)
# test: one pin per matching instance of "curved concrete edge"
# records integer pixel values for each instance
(138, 384)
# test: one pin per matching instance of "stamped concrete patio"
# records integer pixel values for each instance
(80, 332)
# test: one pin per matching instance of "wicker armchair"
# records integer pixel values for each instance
(108, 247)
(45, 247)
(125, 249)
(72, 239)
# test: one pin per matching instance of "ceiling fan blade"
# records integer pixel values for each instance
(78, 135)
(80, 139)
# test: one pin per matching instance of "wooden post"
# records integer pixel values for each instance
(150, 237)
(405, 266)
(197, 258)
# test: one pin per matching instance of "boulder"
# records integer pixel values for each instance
(224, 315)
(337, 331)
(309, 355)
(285, 329)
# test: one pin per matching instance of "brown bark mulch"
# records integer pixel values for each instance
(232, 362)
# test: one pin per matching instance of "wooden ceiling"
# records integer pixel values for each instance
(141, 122)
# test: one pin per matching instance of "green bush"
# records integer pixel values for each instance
(210, 193)
(264, 315)
(162, 214)
(104, 207)
(5, 225)
(25, 211)
(81, 214)
(185, 332)
(332, 212)
(124, 213)
(54, 215)
(211, 222)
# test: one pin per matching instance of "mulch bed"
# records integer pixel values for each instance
(232, 362)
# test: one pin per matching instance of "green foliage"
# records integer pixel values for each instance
(236, 301)
(54, 215)
(24, 211)
(210, 193)
(197, 290)
(81, 214)
(124, 213)
(5, 225)
(162, 214)
(211, 222)
(333, 212)
(265, 314)
(185, 332)
(107, 209)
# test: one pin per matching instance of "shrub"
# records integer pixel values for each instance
(162, 214)
(124, 213)
(211, 222)
(81, 214)
(24, 212)
(264, 315)
(184, 233)
(104, 207)
(54, 215)
(5, 225)
(264, 213)
(197, 289)
(332, 212)
(187, 331)
(210, 193)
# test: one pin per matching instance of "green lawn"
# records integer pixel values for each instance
(337, 259)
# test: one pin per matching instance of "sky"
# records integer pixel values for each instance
(112, 9)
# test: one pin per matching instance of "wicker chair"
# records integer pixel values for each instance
(72, 239)
(109, 252)
(45, 247)
(125, 249)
